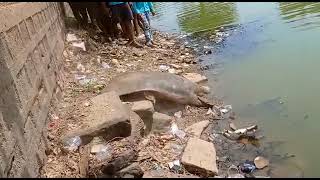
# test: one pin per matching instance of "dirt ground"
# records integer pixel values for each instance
(88, 72)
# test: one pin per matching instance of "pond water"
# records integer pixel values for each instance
(269, 66)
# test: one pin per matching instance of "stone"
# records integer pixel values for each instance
(197, 128)
(142, 106)
(261, 162)
(172, 70)
(199, 157)
(161, 122)
(106, 114)
(195, 77)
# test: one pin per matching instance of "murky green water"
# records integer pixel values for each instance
(273, 52)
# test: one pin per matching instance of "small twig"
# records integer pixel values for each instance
(114, 139)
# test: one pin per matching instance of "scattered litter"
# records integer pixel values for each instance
(176, 131)
(175, 165)
(247, 167)
(79, 77)
(207, 47)
(244, 130)
(261, 162)
(71, 37)
(72, 144)
(79, 45)
(101, 151)
(105, 65)
(164, 67)
(226, 109)
(86, 81)
(178, 114)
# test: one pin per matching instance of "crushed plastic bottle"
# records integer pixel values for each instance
(72, 144)
(247, 167)
(176, 131)
(105, 65)
(226, 109)
(164, 67)
(175, 165)
(103, 153)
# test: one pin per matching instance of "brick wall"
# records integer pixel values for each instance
(31, 46)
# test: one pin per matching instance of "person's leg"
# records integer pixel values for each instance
(84, 15)
(92, 9)
(146, 29)
(115, 18)
(76, 13)
(126, 18)
(135, 23)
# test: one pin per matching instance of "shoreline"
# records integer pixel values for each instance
(89, 71)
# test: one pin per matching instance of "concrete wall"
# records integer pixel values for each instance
(31, 48)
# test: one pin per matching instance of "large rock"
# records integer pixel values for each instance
(107, 116)
(195, 77)
(199, 157)
(161, 122)
(196, 129)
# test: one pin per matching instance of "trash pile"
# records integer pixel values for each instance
(126, 113)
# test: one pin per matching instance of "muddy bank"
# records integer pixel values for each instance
(90, 64)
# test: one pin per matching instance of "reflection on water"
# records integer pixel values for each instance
(190, 17)
(202, 16)
(273, 52)
(305, 15)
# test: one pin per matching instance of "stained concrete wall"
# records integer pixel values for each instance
(31, 48)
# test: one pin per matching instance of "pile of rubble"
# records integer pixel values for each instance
(95, 134)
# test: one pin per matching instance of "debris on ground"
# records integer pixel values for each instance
(176, 131)
(175, 165)
(110, 122)
(247, 167)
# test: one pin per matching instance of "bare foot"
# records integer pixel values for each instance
(137, 45)
(149, 44)
(134, 44)
(154, 43)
